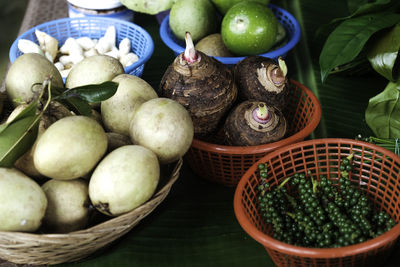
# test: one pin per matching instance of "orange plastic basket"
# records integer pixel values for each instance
(226, 164)
(376, 171)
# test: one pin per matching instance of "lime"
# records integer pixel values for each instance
(249, 28)
(198, 17)
(224, 5)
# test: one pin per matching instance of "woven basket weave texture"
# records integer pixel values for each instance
(27, 248)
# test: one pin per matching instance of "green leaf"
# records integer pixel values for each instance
(16, 139)
(382, 53)
(355, 4)
(91, 93)
(362, 7)
(18, 135)
(78, 98)
(77, 105)
(383, 112)
(349, 38)
(28, 111)
(357, 8)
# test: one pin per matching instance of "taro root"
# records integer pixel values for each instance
(260, 78)
(203, 85)
(254, 123)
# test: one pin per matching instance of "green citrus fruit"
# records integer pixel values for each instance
(249, 28)
(198, 17)
(213, 45)
(224, 5)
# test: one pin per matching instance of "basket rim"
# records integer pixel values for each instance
(282, 247)
(149, 49)
(54, 236)
(281, 51)
(298, 136)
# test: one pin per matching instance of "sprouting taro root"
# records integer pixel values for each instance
(263, 79)
(203, 85)
(254, 123)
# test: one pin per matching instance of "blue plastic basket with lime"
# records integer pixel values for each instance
(94, 27)
(287, 20)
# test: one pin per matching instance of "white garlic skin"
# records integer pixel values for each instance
(75, 50)
(125, 46)
(27, 46)
(129, 59)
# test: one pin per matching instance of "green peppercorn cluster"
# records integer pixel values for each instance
(320, 213)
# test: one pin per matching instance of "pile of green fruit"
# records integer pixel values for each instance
(94, 145)
(227, 28)
(320, 213)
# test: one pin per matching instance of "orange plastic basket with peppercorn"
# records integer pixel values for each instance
(324, 164)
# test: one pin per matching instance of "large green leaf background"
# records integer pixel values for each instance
(195, 225)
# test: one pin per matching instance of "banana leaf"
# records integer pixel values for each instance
(195, 225)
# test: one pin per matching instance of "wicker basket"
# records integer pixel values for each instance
(27, 248)
(376, 171)
(226, 164)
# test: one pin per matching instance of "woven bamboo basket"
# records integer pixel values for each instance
(29, 248)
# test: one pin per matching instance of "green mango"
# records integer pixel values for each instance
(224, 5)
(151, 7)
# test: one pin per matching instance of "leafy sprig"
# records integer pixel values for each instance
(17, 135)
(370, 34)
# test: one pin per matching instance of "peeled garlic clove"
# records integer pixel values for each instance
(59, 65)
(124, 46)
(77, 58)
(49, 56)
(103, 46)
(90, 52)
(129, 59)
(27, 46)
(111, 35)
(71, 46)
(107, 42)
(65, 47)
(86, 43)
(113, 53)
(47, 43)
(40, 37)
(65, 60)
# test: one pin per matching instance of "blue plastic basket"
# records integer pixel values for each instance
(141, 42)
(287, 20)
